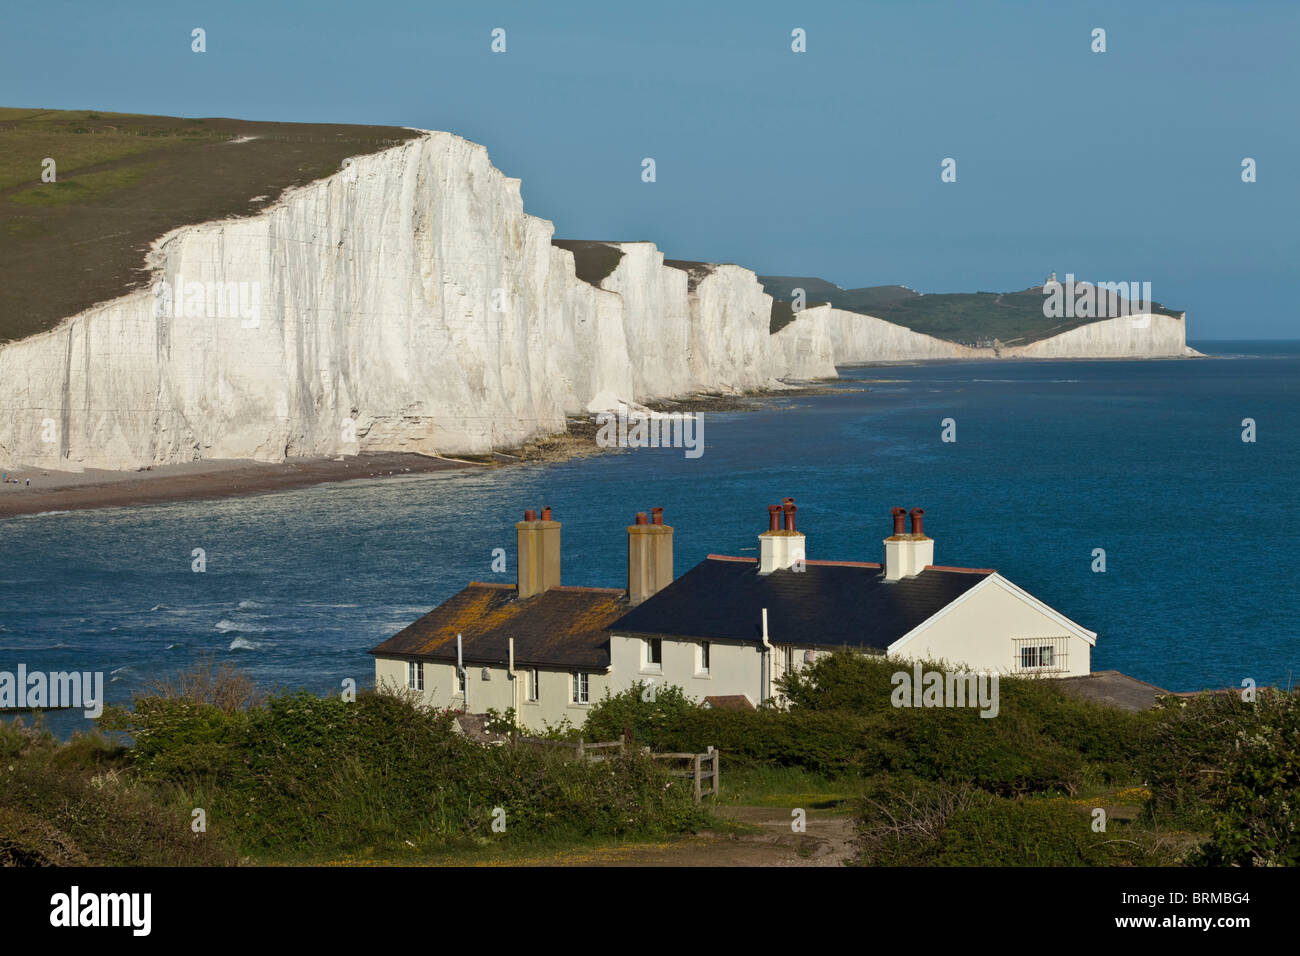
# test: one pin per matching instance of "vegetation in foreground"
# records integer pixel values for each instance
(1209, 780)
(298, 778)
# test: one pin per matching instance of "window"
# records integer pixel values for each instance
(534, 685)
(415, 675)
(704, 657)
(1041, 653)
(460, 680)
(654, 652)
(581, 687)
(788, 659)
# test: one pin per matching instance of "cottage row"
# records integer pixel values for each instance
(725, 631)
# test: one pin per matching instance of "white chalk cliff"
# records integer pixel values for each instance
(408, 303)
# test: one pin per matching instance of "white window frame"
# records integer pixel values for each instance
(580, 687)
(534, 685)
(1041, 655)
(415, 675)
(648, 662)
(705, 659)
(462, 678)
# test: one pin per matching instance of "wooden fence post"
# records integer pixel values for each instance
(581, 750)
(696, 761)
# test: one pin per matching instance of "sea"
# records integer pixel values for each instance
(1056, 470)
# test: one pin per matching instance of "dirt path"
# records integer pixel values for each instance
(765, 839)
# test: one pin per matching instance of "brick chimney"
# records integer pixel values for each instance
(649, 556)
(781, 545)
(539, 553)
(907, 554)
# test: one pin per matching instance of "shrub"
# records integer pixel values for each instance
(906, 821)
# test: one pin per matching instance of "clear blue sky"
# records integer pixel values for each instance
(1123, 165)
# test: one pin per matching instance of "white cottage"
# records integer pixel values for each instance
(725, 632)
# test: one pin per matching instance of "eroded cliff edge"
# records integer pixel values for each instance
(409, 303)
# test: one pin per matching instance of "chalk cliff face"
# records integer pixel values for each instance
(859, 338)
(1132, 336)
(407, 303)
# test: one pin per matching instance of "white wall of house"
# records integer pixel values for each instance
(986, 628)
(499, 692)
(734, 668)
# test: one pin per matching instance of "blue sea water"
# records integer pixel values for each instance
(1052, 460)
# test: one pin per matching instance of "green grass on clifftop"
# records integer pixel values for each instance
(123, 180)
(1013, 318)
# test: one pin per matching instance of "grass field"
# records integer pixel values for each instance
(123, 180)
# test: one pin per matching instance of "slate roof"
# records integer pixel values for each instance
(562, 627)
(829, 604)
(1113, 689)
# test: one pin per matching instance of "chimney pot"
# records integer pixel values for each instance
(773, 517)
(546, 514)
(640, 517)
(900, 515)
(789, 510)
(657, 516)
(917, 515)
(530, 515)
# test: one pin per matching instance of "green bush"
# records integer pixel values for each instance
(300, 774)
(78, 803)
(907, 821)
(1253, 787)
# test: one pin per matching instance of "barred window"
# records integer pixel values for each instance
(1040, 654)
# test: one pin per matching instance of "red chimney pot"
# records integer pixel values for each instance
(640, 517)
(917, 514)
(773, 517)
(530, 515)
(900, 515)
(657, 516)
(546, 514)
(789, 510)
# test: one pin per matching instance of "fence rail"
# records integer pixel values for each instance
(697, 772)
(704, 770)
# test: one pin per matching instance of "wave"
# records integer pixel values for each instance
(225, 626)
(248, 605)
(160, 607)
(244, 644)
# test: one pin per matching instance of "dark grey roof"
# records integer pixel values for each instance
(1113, 689)
(829, 604)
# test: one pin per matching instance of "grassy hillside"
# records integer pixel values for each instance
(1013, 318)
(123, 180)
(593, 260)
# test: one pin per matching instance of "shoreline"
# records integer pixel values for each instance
(56, 491)
(53, 491)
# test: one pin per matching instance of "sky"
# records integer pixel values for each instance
(1123, 165)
